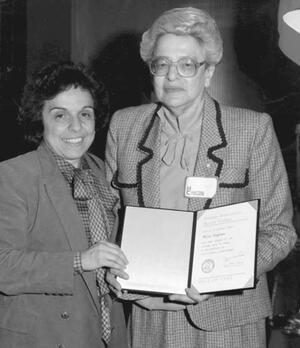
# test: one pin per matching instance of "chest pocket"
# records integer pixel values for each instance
(121, 181)
(234, 177)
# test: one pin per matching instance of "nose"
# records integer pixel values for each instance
(172, 73)
(75, 123)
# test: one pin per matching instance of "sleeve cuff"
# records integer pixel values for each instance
(77, 265)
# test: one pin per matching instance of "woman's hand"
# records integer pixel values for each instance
(159, 303)
(113, 284)
(103, 254)
(192, 297)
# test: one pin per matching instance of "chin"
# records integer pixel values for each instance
(174, 101)
(74, 155)
(174, 105)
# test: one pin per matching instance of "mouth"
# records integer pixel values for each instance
(77, 140)
(173, 89)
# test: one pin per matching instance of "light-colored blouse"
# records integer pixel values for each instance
(179, 144)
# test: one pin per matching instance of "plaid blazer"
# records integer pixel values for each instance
(238, 147)
(42, 302)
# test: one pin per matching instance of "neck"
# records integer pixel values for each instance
(75, 163)
(177, 112)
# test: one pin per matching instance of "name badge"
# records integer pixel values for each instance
(198, 187)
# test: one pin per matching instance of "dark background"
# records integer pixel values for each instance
(105, 35)
(254, 72)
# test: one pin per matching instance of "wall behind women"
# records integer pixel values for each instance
(253, 73)
(107, 33)
(13, 37)
(49, 25)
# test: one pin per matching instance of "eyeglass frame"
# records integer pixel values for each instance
(172, 63)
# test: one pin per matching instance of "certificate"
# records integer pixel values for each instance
(224, 255)
(169, 250)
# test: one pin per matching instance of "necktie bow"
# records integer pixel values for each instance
(171, 146)
(82, 185)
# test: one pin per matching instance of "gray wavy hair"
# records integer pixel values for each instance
(185, 21)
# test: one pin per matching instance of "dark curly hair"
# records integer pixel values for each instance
(47, 83)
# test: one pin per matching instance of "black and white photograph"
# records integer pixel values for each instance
(150, 174)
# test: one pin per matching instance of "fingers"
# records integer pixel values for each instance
(158, 303)
(113, 251)
(119, 273)
(103, 254)
(196, 297)
(111, 280)
(113, 284)
(192, 296)
(110, 255)
(181, 298)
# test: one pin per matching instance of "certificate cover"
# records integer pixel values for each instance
(169, 250)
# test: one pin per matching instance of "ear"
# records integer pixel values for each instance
(209, 71)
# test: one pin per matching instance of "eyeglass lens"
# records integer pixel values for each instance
(186, 66)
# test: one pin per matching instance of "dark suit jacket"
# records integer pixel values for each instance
(42, 302)
(240, 149)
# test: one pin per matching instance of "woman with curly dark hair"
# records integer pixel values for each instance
(58, 221)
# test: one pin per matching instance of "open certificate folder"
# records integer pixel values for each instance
(168, 250)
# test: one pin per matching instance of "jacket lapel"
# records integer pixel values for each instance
(148, 169)
(67, 212)
(209, 162)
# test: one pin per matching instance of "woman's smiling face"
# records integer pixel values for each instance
(69, 123)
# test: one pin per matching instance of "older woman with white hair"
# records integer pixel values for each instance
(153, 148)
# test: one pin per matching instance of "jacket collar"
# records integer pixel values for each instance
(148, 168)
(66, 210)
(62, 201)
(209, 163)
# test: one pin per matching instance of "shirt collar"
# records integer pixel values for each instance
(186, 123)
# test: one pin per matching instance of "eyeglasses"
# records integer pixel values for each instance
(185, 67)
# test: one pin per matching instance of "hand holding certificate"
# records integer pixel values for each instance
(169, 250)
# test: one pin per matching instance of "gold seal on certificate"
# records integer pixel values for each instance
(170, 250)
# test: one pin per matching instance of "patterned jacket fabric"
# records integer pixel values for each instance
(238, 147)
(42, 302)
